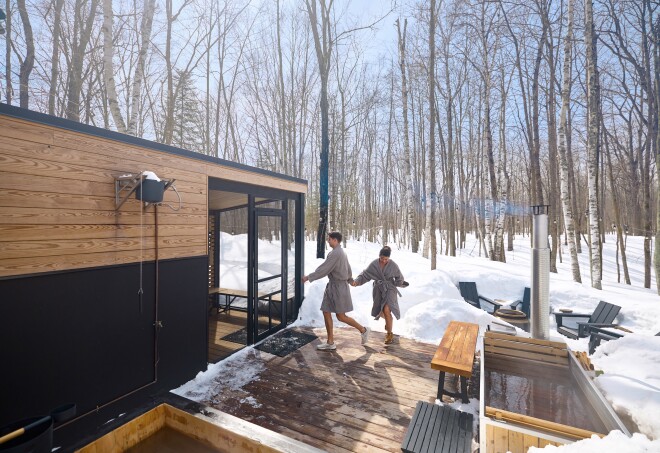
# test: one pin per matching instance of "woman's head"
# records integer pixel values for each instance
(384, 255)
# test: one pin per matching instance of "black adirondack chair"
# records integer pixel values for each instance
(472, 297)
(605, 333)
(576, 325)
(523, 305)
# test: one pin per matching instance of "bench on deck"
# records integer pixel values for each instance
(456, 355)
(435, 428)
(230, 295)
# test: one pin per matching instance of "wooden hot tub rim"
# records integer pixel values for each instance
(539, 423)
(217, 430)
(545, 351)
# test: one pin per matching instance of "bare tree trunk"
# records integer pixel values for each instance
(504, 180)
(593, 144)
(621, 246)
(280, 75)
(168, 128)
(572, 180)
(410, 198)
(108, 70)
(553, 186)
(563, 161)
(8, 31)
(28, 63)
(82, 35)
(451, 199)
(145, 38)
(655, 29)
(323, 46)
(535, 159)
(431, 82)
(55, 56)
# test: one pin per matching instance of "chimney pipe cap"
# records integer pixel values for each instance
(540, 209)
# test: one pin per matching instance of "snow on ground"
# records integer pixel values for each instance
(631, 365)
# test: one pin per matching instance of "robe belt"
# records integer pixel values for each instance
(385, 285)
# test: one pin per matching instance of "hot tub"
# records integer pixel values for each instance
(166, 428)
(536, 393)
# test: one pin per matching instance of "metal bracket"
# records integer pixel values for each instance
(127, 183)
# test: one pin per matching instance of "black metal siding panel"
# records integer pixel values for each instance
(183, 311)
(80, 336)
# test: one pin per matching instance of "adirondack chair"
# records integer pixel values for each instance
(575, 325)
(606, 333)
(472, 297)
(523, 305)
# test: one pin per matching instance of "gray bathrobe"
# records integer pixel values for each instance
(385, 282)
(337, 295)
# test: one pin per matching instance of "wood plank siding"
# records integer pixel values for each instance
(57, 198)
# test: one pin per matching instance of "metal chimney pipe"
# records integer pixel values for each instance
(539, 309)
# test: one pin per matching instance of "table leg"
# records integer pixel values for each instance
(441, 385)
(464, 394)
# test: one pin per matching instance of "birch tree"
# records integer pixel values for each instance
(146, 25)
(410, 197)
(108, 70)
(55, 56)
(563, 161)
(431, 215)
(593, 143)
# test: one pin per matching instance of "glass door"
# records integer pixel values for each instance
(268, 312)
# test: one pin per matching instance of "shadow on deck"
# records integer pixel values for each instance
(357, 398)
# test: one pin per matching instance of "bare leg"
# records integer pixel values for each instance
(327, 317)
(387, 314)
(351, 322)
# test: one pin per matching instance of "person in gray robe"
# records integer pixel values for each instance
(337, 296)
(386, 276)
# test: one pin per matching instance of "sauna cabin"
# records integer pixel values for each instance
(114, 252)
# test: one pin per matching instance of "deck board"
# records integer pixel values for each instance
(359, 398)
(222, 324)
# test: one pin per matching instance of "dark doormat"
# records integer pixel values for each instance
(239, 336)
(286, 342)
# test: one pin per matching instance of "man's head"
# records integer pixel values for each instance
(334, 239)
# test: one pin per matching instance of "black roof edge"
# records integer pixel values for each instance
(63, 123)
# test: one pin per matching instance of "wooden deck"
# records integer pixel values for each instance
(222, 324)
(358, 398)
